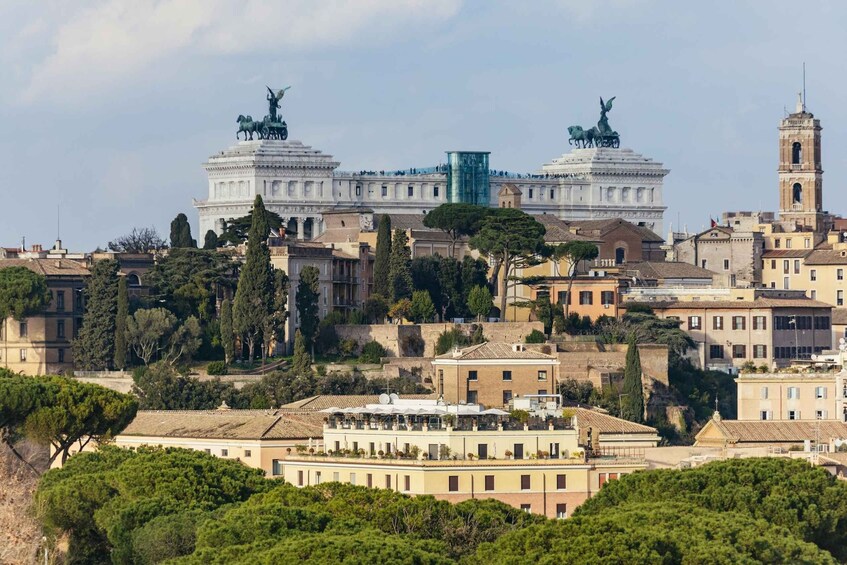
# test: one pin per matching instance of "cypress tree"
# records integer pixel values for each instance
(94, 348)
(211, 240)
(254, 295)
(120, 325)
(307, 303)
(301, 364)
(227, 334)
(381, 262)
(181, 232)
(399, 267)
(632, 399)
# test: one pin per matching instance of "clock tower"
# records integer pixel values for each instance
(800, 172)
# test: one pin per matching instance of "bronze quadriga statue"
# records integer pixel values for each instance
(600, 136)
(271, 127)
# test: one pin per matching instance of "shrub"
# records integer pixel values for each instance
(372, 352)
(535, 336)
(217, 368)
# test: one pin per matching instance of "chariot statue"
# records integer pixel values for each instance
(271, 126)
(602, 135)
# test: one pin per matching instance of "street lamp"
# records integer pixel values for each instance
(620, 403)
(793, 322)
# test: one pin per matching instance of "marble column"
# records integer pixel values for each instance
(301, 228)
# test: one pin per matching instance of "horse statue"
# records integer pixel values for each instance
(586, 136)
(249, 127)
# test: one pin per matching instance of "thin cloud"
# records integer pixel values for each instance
(118, 42)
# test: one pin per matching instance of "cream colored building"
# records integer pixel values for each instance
(41, 344)
(457, 452)
(791, 396)
(257, 438)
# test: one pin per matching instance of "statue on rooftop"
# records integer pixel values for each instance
(600, 136)
(271, 127)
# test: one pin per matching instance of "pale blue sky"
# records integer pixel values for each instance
(109, 108)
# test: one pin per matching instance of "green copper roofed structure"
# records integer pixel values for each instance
(467, 177)
(272, 127)
(600, 136)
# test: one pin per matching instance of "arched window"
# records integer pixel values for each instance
(797, 193)
(620, 255)
(796, 153)
(133, 280)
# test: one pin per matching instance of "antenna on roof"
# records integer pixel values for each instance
(804, 86)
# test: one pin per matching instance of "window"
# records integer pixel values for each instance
(716, 352)
(370, 480)
(821, 414)
(299, 478)
(694, 322)
(786, 266)
(760, 351)
(411, 191)
(473, 397)
(358, 190)
(839, 298)
(247, 453)
(208, 451)
(607, 297)
(507, 397)
(777, 243)
(23, 354)
(813, 294)
(407, 483)
(23, 329)
(561, 482)
(542, 375)
(336, 476)
(564, 297)
(224, 452)
(518, 451)
(435, 191)
(352, 478)
(813, 275)
(388, 481)
(786, 283)
(317, 477)
(61, 355)
(276, 470)
(764, 393)
(717, 323)
(531, 191)
(839, 274)
(822, 323)
(764, 414)
(489, 482)
(453, 483)
(788, 243)
(482, 451)
(552, 194)
(60, 328)
(726, 264)
(773, 264)
(507, 375)
(527, 508)
(760, 322)
(796, 266)
(542, 391)
(738, 322)
(739, 351)
(561, 511)
(60, 301)
(793, 414)
(526, 482)
(820, 392)
(384, 191)
(472, 375)
(586, 297)
(793, 393)
(796, 153)
(807, 243)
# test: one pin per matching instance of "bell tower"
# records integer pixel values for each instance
(800, 172)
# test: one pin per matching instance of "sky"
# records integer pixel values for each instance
(109, 108)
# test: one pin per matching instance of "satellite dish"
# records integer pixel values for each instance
(384, 399)
(394, 397)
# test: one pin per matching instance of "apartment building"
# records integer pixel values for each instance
(791, 396)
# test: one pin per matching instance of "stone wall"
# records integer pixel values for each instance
(592, 363)
(393, 337)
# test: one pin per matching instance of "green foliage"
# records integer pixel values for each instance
(544, 312)
(155, 332)
(647, 328)
(456, 220)
(535, 336)
(652, 532)
(210, 241)
(575, 252)
(512, 240)
(372, 352)
(521, 416)
(94, 348)
(216, 368)
(139, 240)
(22, 293)
(632, 400)
(274, 329)
(421, 310)
(576, 392)
(400, 310)
(159, 387)
(382, 259)
(187, 282)
(375, 309)
(301, 364)
(181, 232)
(455, 337)
(559, 322)
(121, 345)
(308, 295)
(254, 296)
(480, 301)
(236, 231)
(786, 493)
(399, 267)
(226, 330)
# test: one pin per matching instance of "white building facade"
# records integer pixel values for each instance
(299, 183)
